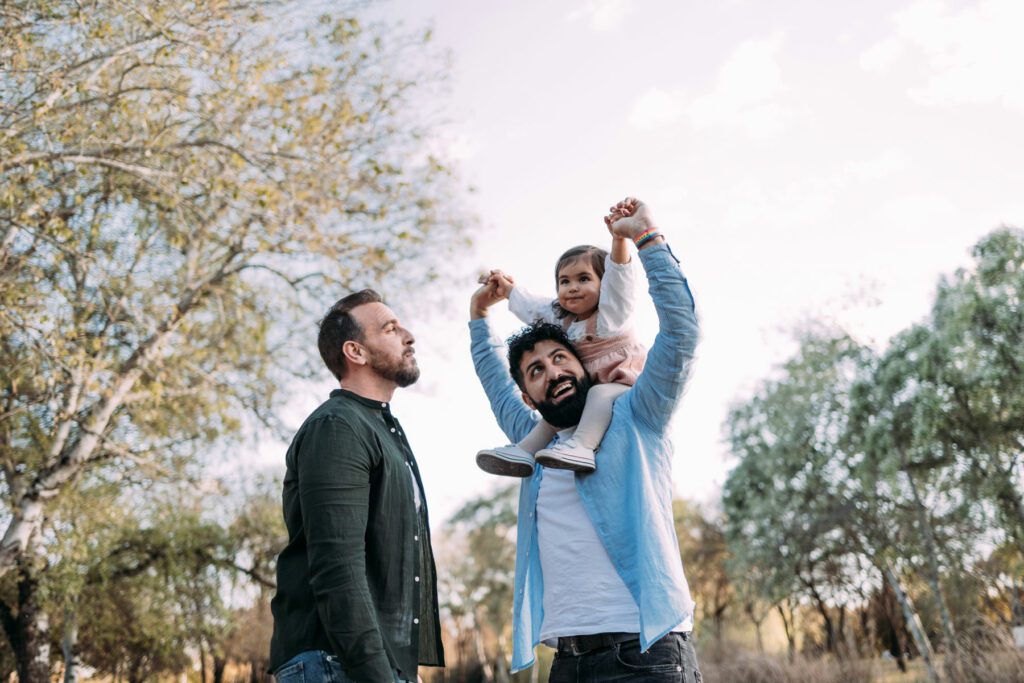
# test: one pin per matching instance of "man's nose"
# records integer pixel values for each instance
(409, 339)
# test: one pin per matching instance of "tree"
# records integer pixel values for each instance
(978, 366)
(787, 502)
(705, 552)
(181, 184)
(896, 427)
(477, 589)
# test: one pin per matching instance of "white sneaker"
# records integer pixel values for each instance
(567, 455)
(507, 461)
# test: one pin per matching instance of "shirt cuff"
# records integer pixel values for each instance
(479, 325)
(653, 258)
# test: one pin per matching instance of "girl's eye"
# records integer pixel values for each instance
(584, 278)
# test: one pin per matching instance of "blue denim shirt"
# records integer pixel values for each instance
(629, 497)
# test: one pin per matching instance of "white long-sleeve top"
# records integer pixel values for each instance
(614, 308)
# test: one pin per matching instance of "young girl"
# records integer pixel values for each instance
(594, 306)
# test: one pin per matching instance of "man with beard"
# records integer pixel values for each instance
(356, 588)
(598, 574)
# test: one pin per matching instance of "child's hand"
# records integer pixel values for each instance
(629, 218)
(503, 282)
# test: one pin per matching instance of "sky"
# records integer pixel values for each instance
(808, 162)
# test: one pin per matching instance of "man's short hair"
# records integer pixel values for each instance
(525, 339)
(338, 327)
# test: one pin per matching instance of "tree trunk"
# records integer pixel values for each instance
(258, 671)
(932, 575)
(219, 664)
(481, 651)
(830, 629)
(790, 627)
(69, 645)
(501, 674)
(28, 632)
(917, 631)
(748, 607)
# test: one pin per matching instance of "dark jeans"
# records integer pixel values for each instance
(670, 659)
(315, 666)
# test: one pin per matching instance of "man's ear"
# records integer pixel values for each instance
(354, 353)
(529, 401)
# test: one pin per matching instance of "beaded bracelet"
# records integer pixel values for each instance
(646, 236)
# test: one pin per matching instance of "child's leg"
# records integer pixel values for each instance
(516, 460)
(539, 437)
(597, 414)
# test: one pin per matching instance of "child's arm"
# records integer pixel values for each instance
(620, 250)
(528, 307)
(618, 291)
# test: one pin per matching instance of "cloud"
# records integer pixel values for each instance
(745, 96)
(746, 92)
(888, 164)
(604, 15)
(973, 54)
(657, 108)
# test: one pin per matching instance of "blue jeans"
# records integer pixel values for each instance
(670, 659)
(315, 666)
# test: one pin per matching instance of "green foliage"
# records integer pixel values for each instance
(788, 504)
(909, 460)
(476, 582)
(182, 186)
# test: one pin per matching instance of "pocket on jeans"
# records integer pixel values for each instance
(290, 673)
(662, 657)
(689, 655)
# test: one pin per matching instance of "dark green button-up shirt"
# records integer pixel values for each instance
(357, 578)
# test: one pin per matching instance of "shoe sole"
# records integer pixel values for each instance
(505, 467)
(566, 463)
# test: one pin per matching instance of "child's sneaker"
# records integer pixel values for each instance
(507, 461)
(567, 455)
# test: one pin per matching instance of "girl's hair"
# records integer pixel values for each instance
(596, 256)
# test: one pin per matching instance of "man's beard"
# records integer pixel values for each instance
(570, 410)
(400, 371)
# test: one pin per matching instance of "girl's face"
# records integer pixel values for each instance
(579, 288)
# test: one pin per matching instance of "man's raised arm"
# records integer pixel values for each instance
(659, 387)
(514, 418)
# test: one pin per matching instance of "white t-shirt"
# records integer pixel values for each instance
(583, 594)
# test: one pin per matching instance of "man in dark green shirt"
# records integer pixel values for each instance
(356, 585)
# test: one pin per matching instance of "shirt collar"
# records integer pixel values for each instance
(368, 402)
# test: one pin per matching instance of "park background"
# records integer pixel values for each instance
(186, 187)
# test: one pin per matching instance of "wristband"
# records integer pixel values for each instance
(646, 236)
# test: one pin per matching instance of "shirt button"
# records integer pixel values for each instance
(415, 538)
(383, 405)
(415, 621)
(417, 579)
(392, 430)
